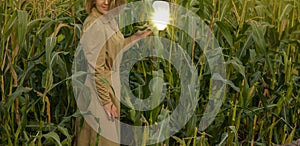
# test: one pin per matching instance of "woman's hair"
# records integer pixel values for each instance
(90, 4)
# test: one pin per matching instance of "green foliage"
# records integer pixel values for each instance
(38, 39)
(260, 41)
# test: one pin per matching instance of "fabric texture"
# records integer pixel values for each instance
(102, 43)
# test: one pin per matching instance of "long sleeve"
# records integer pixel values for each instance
(107, 63)
(102, 84)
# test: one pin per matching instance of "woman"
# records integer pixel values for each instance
(102, 42)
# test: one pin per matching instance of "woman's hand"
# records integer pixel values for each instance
(140, 34)
(111, 111)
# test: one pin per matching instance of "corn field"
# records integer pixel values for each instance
(260, 41)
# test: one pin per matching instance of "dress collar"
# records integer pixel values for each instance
(106, 18)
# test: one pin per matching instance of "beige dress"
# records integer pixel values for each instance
(102, 44)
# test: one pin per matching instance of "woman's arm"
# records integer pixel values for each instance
(130, 41)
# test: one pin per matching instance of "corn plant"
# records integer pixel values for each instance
(38, 39)
(260, 40)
